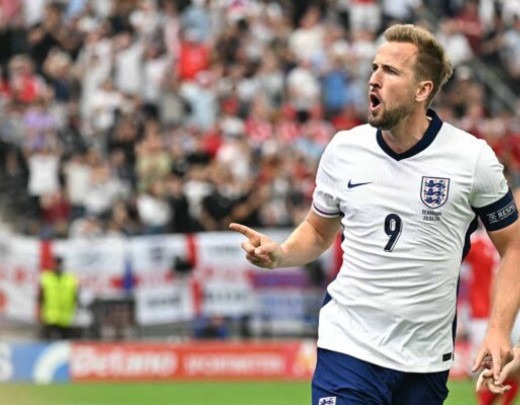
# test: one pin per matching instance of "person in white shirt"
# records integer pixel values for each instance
(44, 166)
(77, 174)
(153, 208)
(405, 190)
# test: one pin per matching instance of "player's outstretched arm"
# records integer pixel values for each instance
(305, 244)
(497, 344)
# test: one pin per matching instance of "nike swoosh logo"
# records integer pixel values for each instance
(352, 185)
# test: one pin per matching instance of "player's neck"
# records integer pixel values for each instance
(406, 133)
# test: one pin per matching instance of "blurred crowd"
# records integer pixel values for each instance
(131, 117)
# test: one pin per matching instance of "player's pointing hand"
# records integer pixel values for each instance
(260, 249)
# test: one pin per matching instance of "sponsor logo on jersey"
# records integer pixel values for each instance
(327, 401)
(434, 191)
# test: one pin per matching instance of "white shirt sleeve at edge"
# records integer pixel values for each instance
(489, 183)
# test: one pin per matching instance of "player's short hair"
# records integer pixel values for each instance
(432, 62)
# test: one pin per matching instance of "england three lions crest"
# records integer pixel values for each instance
(434, 191)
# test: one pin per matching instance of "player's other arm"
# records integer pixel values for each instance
(485, 379)
(506, 298)
(305, 244)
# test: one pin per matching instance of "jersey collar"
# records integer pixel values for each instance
(426, 140)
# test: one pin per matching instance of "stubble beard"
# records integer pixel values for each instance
(389, 118)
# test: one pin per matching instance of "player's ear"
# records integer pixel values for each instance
(424, 89)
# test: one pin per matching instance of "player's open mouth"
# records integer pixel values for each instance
(375, 101)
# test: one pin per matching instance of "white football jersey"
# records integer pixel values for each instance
(406, 223)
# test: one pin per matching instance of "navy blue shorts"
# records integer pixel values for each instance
(340, 379)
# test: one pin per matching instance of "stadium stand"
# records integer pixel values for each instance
(156, 117)
(149, 117)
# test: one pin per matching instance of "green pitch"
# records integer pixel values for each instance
(183, 393)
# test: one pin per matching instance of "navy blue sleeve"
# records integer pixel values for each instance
(500, 214)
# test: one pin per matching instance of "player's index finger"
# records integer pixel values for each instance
(244, 230)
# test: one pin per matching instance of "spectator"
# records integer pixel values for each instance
(57, 68)
(128, 60)
(104, 188)
(235, 83)
(43, 164)
(87, 227)
(153, 161)
(335, 86)
(194, 55)
(365, 15)
(155, 66)
(106, 101)
(48, 33)
(122, 170)
(307, 39)
(303, 87)
(211, 327)
(124, 136)
(172, 107)
(197, 18)
(25, 86)
(55, 214)
(509, 10)
(468, 23)
(40, 125)
(181, 220)
(270, 79)
(403, 11)
(77, 174)
(145, 19)
(93, 67)
(122, 220)
(235, 154)
(216, 207)
(153, 208)
(457, 45)
(511, 49)
(197, 186)
(13, 176)
(201, 96)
